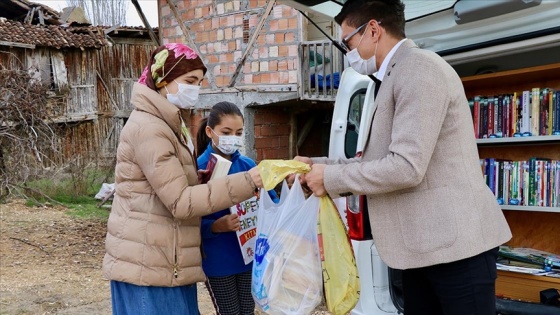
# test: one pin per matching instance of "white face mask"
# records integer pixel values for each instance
(228, 144)
(365, 67)
(186, 96)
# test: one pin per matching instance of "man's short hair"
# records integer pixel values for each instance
(389, 12)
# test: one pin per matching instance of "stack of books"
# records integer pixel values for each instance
(529, 261)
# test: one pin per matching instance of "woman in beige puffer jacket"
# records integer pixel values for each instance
(153, 253)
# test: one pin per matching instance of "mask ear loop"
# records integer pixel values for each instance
(362, 36)
(212, 139)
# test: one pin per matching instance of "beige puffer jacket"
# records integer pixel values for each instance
(153, 232)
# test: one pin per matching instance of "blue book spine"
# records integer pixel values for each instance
(491, 176)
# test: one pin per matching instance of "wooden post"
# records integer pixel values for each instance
(146, 23)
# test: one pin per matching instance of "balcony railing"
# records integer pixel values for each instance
(321, 66)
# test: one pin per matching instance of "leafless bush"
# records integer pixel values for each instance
(28, 140)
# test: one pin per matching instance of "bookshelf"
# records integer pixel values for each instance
(535, 227)
(518, 141)
(531, 208)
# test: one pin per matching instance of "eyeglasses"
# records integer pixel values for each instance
(344, 41)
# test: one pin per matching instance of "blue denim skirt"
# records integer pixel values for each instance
(130, 299)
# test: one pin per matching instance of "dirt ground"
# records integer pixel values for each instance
(50, 263)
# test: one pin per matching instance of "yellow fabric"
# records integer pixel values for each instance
(340, 273)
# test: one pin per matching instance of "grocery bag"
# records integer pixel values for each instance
(340, 273)
(287, 275)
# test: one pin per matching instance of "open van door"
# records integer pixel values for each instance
(472, 36)
(353, 110)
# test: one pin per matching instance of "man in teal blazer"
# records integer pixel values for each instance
(431, 213)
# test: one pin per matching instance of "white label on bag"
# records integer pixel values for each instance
(246, 236)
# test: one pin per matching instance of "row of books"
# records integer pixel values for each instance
(528, 113)
(535, 182)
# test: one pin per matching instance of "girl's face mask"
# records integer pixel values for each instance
(186, 96)
(228, 144)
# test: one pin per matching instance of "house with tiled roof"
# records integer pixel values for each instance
(89, 69)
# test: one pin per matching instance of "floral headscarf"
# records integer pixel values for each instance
(167, 63)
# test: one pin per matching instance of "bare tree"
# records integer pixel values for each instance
(103, 12)
(28, 141)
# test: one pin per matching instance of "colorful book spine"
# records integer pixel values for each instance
(476, 116)
(515, 183)
(484, 130)
(556, 123)
(499, 121)
(532, 188)
(491, 119)
(514, 118)
(544, 105)
(550, 111)
(556, 195)
(526, 112)
(524, 180)
(507, 118)
(491, 175)
(535, 111)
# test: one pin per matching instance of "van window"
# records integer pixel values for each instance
(353, 125)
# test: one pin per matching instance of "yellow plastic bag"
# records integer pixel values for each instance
(274, 171)
(340, 273)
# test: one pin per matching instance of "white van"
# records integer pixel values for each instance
(475, 37)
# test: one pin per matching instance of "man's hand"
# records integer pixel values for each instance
(314, 179)
(226, 223)
(304, 159)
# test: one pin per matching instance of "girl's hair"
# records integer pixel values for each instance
(214, 118)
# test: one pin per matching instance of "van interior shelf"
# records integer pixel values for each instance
(531, 208)
(519, 140)
(513, 77)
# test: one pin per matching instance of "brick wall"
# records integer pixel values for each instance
(222, 29)
(272, 133)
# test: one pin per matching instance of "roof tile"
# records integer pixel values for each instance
(52, 35)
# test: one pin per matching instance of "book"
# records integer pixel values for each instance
(528, 255)
(535, 111)
(484, 125)
(476, 116)
(525, 112)
(217, 167)
(556, 115)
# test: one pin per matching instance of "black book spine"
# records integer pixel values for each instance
(500, 113)
(484, 125)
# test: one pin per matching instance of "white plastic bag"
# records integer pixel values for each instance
(106, 191)
(287, 274)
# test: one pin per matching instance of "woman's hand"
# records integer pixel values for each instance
(226, 223)
(304, 159)
(202, 175)
(256, 176)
